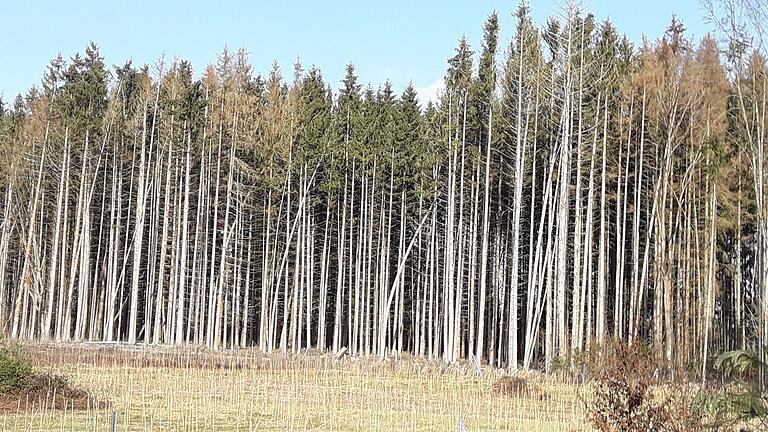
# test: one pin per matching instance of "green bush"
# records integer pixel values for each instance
(739, 402)
(15, 367)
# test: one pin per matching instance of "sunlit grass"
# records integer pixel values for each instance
(295, 393)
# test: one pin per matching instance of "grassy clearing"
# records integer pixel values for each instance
(173, 390)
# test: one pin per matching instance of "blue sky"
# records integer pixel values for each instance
(399, 40)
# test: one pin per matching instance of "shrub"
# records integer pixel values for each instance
(23, 389)
(15, 367)
(518, 387)
(43, 383)
(738, 401)
(626, 396)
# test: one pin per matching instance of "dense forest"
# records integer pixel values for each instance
(567, 188)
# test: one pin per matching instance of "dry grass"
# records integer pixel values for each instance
(196, 390)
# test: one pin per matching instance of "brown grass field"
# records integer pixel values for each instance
(191, 389)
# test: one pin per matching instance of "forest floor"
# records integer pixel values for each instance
(164, 389)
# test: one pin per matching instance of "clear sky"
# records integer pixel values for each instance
(400, 40)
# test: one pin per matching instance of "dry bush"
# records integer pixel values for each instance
(23, 389)
(518, 387)
(47, 391)
(627, 397)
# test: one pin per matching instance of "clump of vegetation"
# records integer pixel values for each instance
(20, 382)
(518, 387)
(15, 368)
(738, 402)
(627, 396)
